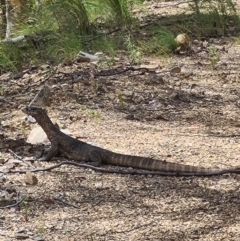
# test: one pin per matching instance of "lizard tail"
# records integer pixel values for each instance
(166, 167)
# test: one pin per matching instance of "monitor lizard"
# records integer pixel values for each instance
(81, 151)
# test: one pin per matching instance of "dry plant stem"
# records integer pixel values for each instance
(130, 172)
(66, 203)
(20, 159)
(144, 70)
(101, 73)
(13, 205)
(105, 72)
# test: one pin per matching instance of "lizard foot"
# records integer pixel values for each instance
(42, 159)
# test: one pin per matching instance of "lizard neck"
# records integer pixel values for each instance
(49, 128)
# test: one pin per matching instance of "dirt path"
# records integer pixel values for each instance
(118, 207)
(190, 117)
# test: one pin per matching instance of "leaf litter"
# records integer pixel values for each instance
(184, 112)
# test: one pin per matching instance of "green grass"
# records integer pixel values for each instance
(75, 25)
(106, 44)
(162, 43)
(133, 50)
(5, 62)
(120, 10)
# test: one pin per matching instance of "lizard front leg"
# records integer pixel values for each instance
(53, 151)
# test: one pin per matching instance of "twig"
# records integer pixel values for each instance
(101, 35)
(132, 172)
(172, 5)
(224, 136)
(63, 202)
(19, 158)
(13, 205)
(143, 69)
(101, 73)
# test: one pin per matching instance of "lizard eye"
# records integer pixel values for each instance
(31, 109)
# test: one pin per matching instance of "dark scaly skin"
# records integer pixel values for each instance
(81, 151)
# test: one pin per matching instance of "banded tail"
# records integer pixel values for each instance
(165, 167)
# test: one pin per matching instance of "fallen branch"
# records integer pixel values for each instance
(129, 172)
(14, 40)
(13, 205)
(20, 159)
(107, 73)
(65, 203)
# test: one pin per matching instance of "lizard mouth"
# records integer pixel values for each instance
(30, 110)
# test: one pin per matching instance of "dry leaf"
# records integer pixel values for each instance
(175, 70)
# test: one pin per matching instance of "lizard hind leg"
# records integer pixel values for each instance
(95, 158)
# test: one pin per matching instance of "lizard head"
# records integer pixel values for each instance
(33, 111)
(38, 114)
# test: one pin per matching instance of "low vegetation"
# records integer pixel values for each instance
(57, 30)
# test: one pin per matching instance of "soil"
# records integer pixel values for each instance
(189, 116)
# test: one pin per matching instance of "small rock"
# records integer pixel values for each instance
(21, 236)
(182, 39)
(38, 238)
(175, 70)
(30, 178)
(37, 135)
(30, 119)
(128, 93)
(98, 184)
